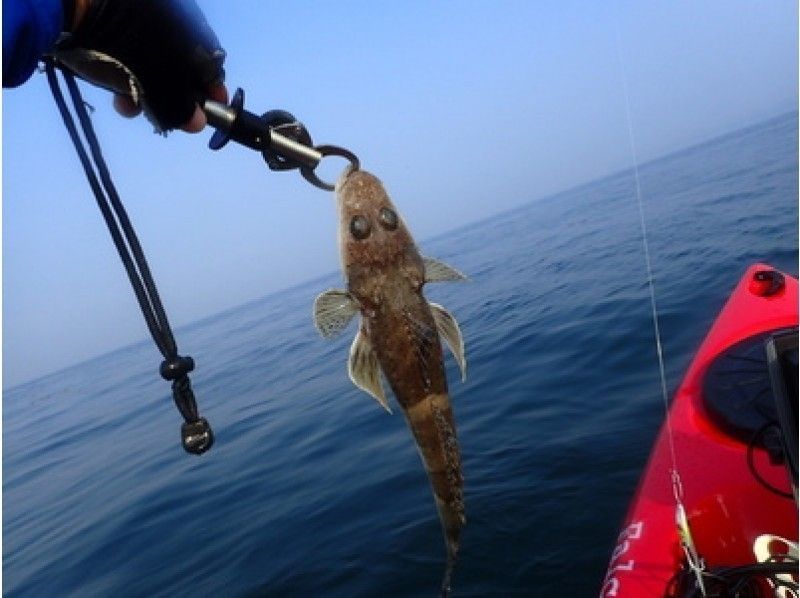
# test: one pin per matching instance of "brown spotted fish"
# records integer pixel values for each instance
(399, 336)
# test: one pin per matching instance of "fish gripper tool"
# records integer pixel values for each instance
(283, 141)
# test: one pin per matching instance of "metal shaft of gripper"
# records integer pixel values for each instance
(233, 122)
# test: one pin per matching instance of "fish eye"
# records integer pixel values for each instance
(388, 219)
(360, 227)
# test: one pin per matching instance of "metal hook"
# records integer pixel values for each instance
(283, 141)
(328, 150)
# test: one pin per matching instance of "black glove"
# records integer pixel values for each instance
(161, 53)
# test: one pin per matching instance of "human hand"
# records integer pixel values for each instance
(157, 56)
(125, 106)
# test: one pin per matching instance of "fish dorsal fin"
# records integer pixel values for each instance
(364, 369)
(333, 311)
(436, 271)
(448, 329)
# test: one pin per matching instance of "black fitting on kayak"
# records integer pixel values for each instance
(283, 141)
(772, 442)
(782, 362)
(768, 283)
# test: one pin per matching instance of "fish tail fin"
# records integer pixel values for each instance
(448, 571)
(452, 556)
(432, 423)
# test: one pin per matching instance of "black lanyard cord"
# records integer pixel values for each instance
(196, 433)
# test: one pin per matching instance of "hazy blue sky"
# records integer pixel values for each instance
(463, 108)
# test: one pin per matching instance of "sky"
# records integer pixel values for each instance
(463, 109)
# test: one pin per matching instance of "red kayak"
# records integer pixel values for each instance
(733, 424)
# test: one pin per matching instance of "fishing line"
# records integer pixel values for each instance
(694, 562)
(648, 264)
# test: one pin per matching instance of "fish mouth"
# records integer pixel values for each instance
(348, 170)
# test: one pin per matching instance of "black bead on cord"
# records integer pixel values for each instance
(196, 434)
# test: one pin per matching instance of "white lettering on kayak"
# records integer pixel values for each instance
(611, 583)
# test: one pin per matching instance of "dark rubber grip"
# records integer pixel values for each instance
(167, 45)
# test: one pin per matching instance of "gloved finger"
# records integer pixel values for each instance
(218, 92)
(196, 123)
(163, 51)
(125, 106)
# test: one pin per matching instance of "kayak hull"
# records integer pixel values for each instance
(734, 517)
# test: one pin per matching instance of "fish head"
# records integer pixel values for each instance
(372, 233)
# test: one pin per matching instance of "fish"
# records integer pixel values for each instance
(399, 336)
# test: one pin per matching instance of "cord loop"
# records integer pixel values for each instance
(196, 434)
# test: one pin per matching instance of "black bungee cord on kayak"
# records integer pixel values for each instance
(745, 581)
(196, 434)
(772, 444)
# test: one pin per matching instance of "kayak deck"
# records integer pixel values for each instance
(738, 501)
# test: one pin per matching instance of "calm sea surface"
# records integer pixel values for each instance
(313, 490)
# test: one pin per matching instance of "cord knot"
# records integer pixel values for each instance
(176, 367)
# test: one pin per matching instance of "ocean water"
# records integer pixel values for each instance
(313, 490)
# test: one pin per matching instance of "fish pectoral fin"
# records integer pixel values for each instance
(364, 369)
(436, 271)
(448, 329)
(333, 311)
